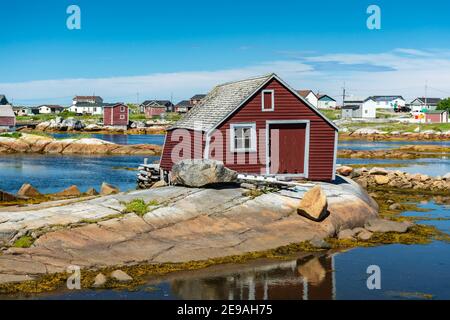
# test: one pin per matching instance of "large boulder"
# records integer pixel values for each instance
(27, 190)
(201, 172)
(108, 189)
(314, 205)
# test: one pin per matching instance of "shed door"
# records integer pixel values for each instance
(287, 147)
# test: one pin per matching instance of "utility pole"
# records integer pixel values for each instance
(343, 95)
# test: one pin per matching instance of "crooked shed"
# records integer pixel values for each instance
(256, 126)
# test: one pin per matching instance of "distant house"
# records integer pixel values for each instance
(3, 100)
(197, 99)
(25, 111)
(50, 108)
(256, 126)
(87, 105)
(7, 117)
(424, 104)
(183, 106)
(116, 115)
(355, 107)
(153, 108)
(310, 96)
(385, 102)
(324, 101)
(436, 116)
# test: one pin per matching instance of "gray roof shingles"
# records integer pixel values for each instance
(6, 111)
(219, 103)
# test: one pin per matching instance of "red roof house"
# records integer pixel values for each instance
(115, 115)
(256, 126)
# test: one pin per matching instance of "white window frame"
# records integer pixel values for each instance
(262, 100)
(253, 140)
(122, 108)
(122, 117)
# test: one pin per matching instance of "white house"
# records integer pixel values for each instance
(48, 109)
(424, 104)
(385, 102)
(355, 107)
(87, 105)
(310, 96)
(324, 101)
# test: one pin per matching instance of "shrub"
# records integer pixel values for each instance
(23, 242)
(139, 206)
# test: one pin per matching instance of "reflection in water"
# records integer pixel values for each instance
(310, 277)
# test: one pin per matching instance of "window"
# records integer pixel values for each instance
(243, 137)
(268, 100)
(122, 117)
(122, 109)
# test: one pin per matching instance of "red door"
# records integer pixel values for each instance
(287, 148)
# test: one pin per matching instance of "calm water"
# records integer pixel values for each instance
(383, 145)
(407, 272)
(119, 138)
(51, 173)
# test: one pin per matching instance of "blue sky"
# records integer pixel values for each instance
(177, 48)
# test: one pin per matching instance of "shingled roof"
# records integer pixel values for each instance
(6, 111)
(219, 103)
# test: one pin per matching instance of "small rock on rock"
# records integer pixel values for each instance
(119, 275)
(99, 280)
(344, 170)
(395, 206)
(381, 225)
(346, 234)
(159, 184)
(319, 243)
(92, 192)
(71, 191)
(364, 235)
(379, 179)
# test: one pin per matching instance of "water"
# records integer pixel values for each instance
(52, 173)
(119, 138)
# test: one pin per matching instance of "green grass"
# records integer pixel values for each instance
(137, 117)
(23, 242)
(139, 206)
(331, 114)
(14, 135)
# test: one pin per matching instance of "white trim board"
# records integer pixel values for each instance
(273, 100)
(305, 173)
(253, 137)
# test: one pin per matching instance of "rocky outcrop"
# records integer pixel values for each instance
(28, 143)
(189, 224)
(380, 177)
(314, 205)
(60, 124)
(201, 172)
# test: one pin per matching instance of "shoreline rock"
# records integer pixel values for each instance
(192, 225)
(380, 177)
(29, 143)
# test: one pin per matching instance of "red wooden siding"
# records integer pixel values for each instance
(287, 107)
(7, 121)
(185, 144)
(435, 117)
(112, 115)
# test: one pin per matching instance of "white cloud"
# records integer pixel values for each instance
(407, 71)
